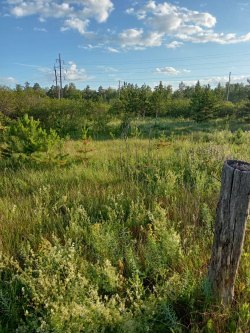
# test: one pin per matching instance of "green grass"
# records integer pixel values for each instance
(119, 238)
(182, 127)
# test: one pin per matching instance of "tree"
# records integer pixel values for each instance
(70, 91)
(159, 98)
(179, 93)
(19, 88)
(7, 101)
(36, 87)
(220, 91)
(110, 94)
(27, 86)
(144, 100)
(52, 92)
(89, 94)
(244, 111)
(203, 102)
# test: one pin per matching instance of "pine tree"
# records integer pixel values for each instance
(203, 102)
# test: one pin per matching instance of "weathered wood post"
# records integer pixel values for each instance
(231, 218)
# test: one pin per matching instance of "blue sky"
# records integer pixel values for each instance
(144, 41)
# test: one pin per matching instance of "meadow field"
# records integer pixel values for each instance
(115, 235)
(120, 123)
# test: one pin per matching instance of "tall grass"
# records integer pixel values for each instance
(119, 239)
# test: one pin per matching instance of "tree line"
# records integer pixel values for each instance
(200, 102)
(238, 91)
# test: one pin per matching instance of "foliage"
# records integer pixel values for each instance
(203, 102)
(243, 111)
(224, 109)
(178, 108)
(119, 239)
(7, 103)
(25, 137)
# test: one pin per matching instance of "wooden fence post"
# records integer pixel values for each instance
(232, 212)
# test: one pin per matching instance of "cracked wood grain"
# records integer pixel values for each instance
(231, 218)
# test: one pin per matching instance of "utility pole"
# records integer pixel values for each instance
(228, 87)
(119, 89)
(60, 63)
(60, 73)
(57, 90)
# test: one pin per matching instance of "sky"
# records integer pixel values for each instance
(103, 42)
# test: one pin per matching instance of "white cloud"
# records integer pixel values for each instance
(136, 39)
(112, 50)
(107, 69)
(158, 21)
(214, 80)
(75, 24)
(40, 29)
(173, 45)
(171, 70)
(90, 46)
(167, 19)
(201, 19)
(76, 74)
(43, 8)
(219, 38)
(99, 9)
(167, 70)
(190, 30)
(7, 80)
(73, 73)
(130, 11)
(75, 13)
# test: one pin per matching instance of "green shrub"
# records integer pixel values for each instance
(56, 293)
(243, 110)
(179, 108)
(25, 137)
(7, 102)
(224, 109)
(238, 137)
(68, 117)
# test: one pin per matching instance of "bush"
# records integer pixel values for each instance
(7, 102)
(69, 117)
(243, 110)
(179, 107)
(224, 109)
(25, 136)
(54, 293)
(66, 117)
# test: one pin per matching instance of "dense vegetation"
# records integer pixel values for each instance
(107, 208)
(94, 109)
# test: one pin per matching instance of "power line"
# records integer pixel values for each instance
(170, 79)
(211, 56)
(152, 70)
(182, 76)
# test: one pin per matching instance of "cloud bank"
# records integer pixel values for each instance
(76, 14)
(168, 21)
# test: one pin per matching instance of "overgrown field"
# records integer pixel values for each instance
(116, 235)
